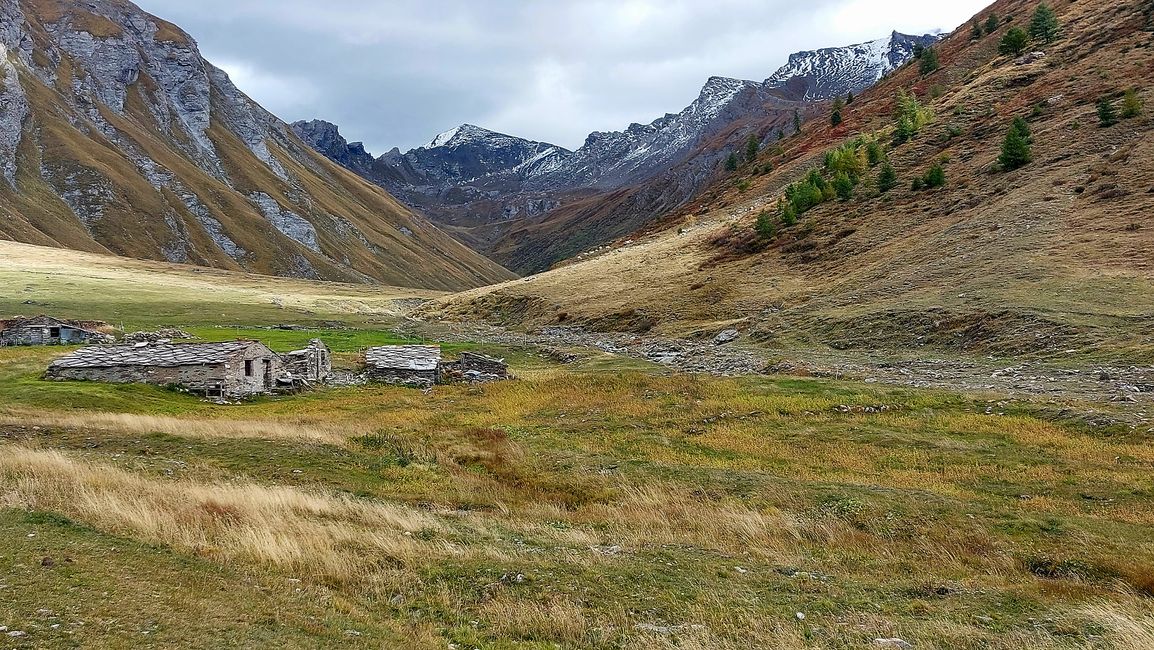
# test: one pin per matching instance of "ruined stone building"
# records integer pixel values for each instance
(473, 368)
(412, 365)
(232, 369)
(312, 365)
(45, 330)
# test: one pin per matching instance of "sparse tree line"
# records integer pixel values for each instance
(845, 168)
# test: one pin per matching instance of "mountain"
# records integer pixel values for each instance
(1052, 260)
(529, 204)
(824, 74)
(117, 136)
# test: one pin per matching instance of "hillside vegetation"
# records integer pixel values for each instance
(1053, 256)
(599, 504)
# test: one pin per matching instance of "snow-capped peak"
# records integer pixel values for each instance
(443, 139)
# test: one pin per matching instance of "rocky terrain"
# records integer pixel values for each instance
(530, 204)
(116, 135)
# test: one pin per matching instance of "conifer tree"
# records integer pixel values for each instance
(1014, 42)
(849, 98)
(929, 62)
(752, 146)
(1044, 25)
(796, 121)
(1016, 148)
(936, 176)
(1131, 104)
(843, 186)
(731, 163)
(1107, 114)
(992, 23)
(765, 227)
(976, 31)
(887, 178)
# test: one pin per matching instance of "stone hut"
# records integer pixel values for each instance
(475, 368)
(312, 365)
(45, 330)
(233, 369)
(410, 365)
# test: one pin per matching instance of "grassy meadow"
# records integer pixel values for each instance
(600, 504)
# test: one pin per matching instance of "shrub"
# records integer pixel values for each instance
(849, 98)
(936, 176)
(976, 32)
(874, 152)
(1016, 148)
(887, 178)
(835, 117)
(731, 163)
(1107, 114)
(1131, 104)
(1014, 42)
(1044, 25)
(788, 215)
(917, 184)
(796, 121)
(743, 186)
(992, 23)
(928, 63)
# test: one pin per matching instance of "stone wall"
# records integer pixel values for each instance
(402, 376)
(201, 379)
(479, 364)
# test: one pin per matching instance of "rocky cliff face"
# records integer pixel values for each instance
(530, 204)
(117, 136)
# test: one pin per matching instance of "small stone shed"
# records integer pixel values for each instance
(313, 365)
(474, 368)
(45, 330)
(233, 369)
(413, 365)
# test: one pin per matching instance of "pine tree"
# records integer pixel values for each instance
(796, 121)
(976, 32)
(789, 214)
(874, 152)
(992, 23)
(835, 117)
(780, 135)
(752, 146)
(1044, 25)
(929, 62)
(849, 98)
(1131, 104)
(936, 176)
(1014, 42)
(1020, 126)
(1107, 114)
(765, 226)
(887, 178)
(731, 163)
(1016, 148)
(843, 186)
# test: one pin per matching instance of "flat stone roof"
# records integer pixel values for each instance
(158, 355)
(404, 357)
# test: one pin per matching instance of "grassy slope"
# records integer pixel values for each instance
(598, 505)
(134, 218)
(1062, 247)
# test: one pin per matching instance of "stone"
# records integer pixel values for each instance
(893, 643)
(728, 336)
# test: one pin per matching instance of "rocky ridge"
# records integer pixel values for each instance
(522, 181)
(116, 135)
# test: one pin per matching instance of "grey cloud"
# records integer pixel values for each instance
(397, 72)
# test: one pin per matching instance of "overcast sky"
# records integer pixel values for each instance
(397, 72)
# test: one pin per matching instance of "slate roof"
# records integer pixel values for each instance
(163, 356)
(45, 321)
(404, 357)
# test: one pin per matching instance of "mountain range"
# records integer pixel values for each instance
(116, 135)
(530, 204)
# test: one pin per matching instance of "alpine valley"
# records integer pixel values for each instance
(529, 205)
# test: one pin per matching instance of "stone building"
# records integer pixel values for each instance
(45, 330)
(475, 368)
(410, 365)
(312, 365)
(232, 369)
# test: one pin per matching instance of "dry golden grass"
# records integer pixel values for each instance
(128, 423)
(318, 535)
